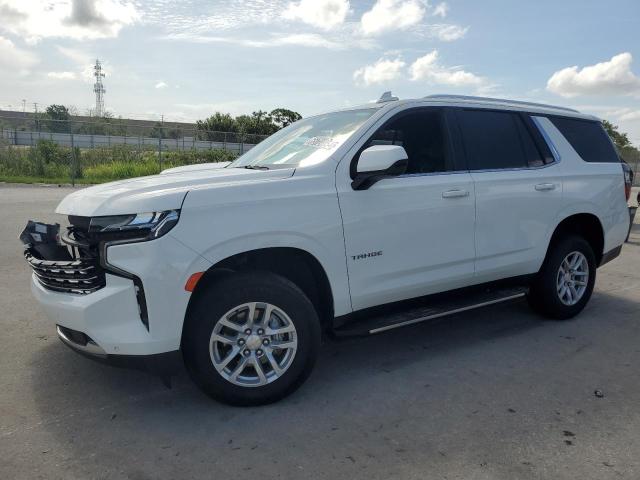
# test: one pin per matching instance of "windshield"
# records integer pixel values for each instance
(305, 142)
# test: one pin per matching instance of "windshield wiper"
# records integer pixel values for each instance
(256, 167)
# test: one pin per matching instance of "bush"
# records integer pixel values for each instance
(48, 160)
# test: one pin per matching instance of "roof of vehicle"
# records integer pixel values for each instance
(483, 102)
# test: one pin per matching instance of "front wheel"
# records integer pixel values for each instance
(251, 339)
(565, 282)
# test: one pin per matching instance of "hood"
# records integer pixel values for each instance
(157, 192)
(195, 166)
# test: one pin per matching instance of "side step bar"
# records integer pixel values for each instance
(430, 308)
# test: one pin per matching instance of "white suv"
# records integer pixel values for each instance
(330, 226)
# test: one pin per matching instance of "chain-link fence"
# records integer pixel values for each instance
(632, 157)
(89, 149)
(105, 132)
(26, 145)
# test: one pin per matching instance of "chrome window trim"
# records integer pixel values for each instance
(514, 169)
(554, 151)
(431, 174)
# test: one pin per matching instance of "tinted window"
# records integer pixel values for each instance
(422, 134)
(495, 140)
(531, 153)
(588, 138)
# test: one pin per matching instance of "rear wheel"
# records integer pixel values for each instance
(565, 282)
(251, 339)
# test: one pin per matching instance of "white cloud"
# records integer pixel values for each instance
(427, 68)
(610, 77)
(302, 39)
(441, 10)
(324, 14)
(630, 116)
(447, 32)
(14, 60)
(76, 55)
(382, 71)
(76, 19)
(388, 15)
(338, 42)
(62, 75)
(191, 112)
(160, 85)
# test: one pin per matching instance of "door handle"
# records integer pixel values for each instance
(541, 187)
(455, 193)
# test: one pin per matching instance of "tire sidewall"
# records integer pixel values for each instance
(234, 291)
(545, 292)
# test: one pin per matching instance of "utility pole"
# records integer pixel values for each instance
(35, 109)
(160, 140)
(24, 105)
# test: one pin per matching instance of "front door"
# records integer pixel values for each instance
(413, 234)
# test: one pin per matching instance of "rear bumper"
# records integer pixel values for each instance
(164, 364)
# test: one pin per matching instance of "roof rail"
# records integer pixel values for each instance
(499, 100)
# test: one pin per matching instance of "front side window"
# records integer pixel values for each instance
(305, 142)
(422, 134)
(496, 140)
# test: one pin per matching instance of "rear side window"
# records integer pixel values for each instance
(588, 138)
(496, 140)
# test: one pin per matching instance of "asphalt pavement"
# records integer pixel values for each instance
(493, 394)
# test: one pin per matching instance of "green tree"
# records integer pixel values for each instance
(218, 122)
(621, 140)
(160, 130)
(627, 151)
(244, 128)
(282, 117)
(59, 118)
(211, 128)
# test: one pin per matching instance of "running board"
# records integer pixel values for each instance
(431, 308)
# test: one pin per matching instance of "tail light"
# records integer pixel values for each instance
(628, 180)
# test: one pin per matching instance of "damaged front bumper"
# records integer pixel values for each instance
(100, 305)
(163, 364)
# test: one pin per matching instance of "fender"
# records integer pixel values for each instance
(245, 243)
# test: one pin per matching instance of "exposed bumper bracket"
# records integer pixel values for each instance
(162, 364)
(80, 342)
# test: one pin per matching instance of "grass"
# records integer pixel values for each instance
(47, 180)
(48, 162)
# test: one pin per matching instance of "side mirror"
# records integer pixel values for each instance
(378, 162)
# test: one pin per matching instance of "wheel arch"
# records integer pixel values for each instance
(587, 225)
(295, 264)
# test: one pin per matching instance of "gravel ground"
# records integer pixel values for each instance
(492, 394)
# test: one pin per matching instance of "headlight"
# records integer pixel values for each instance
(137, 225)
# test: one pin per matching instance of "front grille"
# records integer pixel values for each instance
(81, 276)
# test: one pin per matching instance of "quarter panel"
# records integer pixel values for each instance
(591, 187)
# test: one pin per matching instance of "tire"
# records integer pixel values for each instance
(285, 358)
(557, 295)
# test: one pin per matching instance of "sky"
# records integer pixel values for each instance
(187, 59)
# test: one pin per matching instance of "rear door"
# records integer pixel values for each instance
(518, 190)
